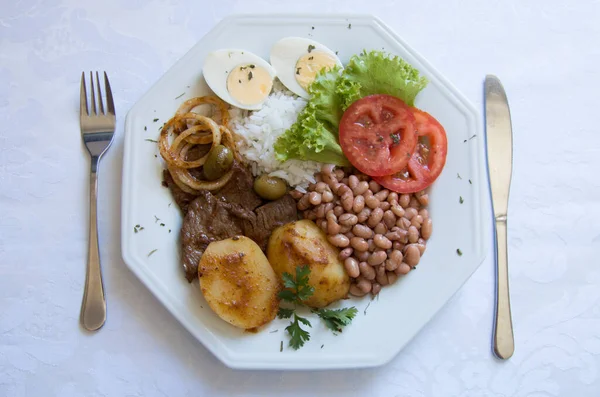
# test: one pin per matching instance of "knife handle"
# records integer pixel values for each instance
(504, 344)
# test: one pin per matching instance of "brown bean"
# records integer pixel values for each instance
(382, 242)
(414, 203)
(417, 221)
(364, 285)
(380, 228)
(393, 235)
(339, 174)
(421, 241)
(410, 213)
(372, 246)
(403, 223)
(344, 181)
(362, 231)
(376, 288)
(366, 270)
(310, 215)
(372, 202)
(393, 196)
(362, 255)
(356, 291)
(347, 201)
(389, 219)
(345, 253)
(327, 196)
(392, 277)
(423, 198)
(427, 228)
(348, 219)
(404, 200)
(424, 213)
(391, 265)
(384, 205)
(412, 255)
(351, 265)
(338, 210)
(397, 210)
(374, 186)
(333, 227)
(303, 203)
(345, 229)
(296, 194)
(380, 276)
(413, 234)
(330, 215)
(327, 168)
(402, 269)
(364, 214)
(398, 245)
(361, 188)
(320, 211)
(359, 244)
(342, 189)
(320, 187)
(359, 204)
(339, 240)
(323, 225)
(377, 258)
(382, 195)
(314, 198)
(396, 257)
(353, 181)
(350, 235)
(375, 217)
(328, 207)
(421, 248)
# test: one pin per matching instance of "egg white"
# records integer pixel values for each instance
(284, 56)
(218, 65)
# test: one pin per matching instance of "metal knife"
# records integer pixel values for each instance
(499, 155)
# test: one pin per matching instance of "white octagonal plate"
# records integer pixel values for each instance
(401, 310)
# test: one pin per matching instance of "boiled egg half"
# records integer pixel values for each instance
(298, 60)
(239, 77)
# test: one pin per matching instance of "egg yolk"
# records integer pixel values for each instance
(310, 64)
(249, 84)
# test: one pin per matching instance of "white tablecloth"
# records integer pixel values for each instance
(545, 52)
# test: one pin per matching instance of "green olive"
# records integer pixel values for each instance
(218, 162)
(269, 187)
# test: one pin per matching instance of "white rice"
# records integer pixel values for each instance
(260, 130)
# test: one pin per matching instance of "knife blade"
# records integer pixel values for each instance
(499, 156)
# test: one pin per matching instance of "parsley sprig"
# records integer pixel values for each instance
(299, 290)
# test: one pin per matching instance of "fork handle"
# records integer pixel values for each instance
(504, 344)
(93, 309)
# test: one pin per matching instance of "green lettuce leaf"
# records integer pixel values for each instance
(376, 72)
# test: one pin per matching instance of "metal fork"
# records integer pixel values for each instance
(97, 131)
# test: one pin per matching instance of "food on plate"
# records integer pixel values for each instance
(238, 282)
(302, 243)
(218, 162)
(270, 187)
(378, 134)
(238, 77)
(233, 211)
(426, 162)
(298, 60)
(381, 234)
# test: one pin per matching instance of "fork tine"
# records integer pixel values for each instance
(93, 107)
(110, 104)
(100, 103)
(83, 107)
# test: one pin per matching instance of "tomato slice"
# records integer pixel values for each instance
(426, 163)
(378, 134)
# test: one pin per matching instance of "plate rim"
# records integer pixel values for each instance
(205, 336)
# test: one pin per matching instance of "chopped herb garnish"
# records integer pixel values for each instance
(470, 183)
(461, 200)
(281, 347)
(312, 28)
(336, 319)
(368, 304)
(380, 138)
(155, 120)
(285, 313)
(145, 128)
(322, 346)
(298, 70)
(177, 97)
(156, 219)
(311, 58)
(458, 176)
(169, 204)
(349, 26)
(395, 138)
(153, 251)
(459, 252)
(240, 81)
(474, 135)
(162, 224)
(310, 48)
(272, 332)
(150, 140)
(137, 228)
(250, 76)
(169, 230)
(336, 52)
(243, 68)
(252, 66)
